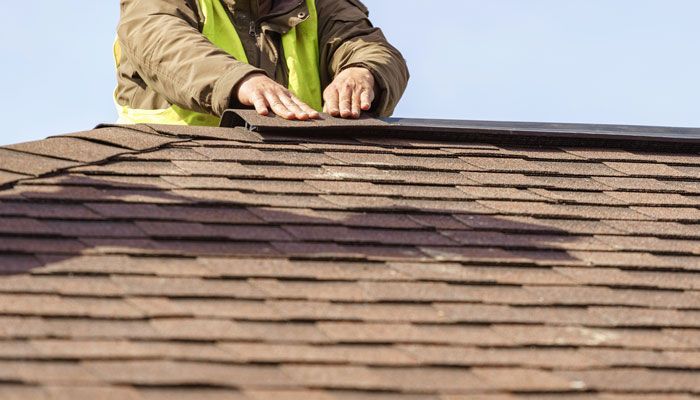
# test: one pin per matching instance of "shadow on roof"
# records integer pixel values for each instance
(52, 220)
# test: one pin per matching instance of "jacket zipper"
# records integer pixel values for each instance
(253, 31)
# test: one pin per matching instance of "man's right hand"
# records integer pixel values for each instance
(265, 94)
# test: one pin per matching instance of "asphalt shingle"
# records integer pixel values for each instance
(176, 262)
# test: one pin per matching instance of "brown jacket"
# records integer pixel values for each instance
(166, 60)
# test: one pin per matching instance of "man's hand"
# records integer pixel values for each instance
(265, 94)
(351, 92)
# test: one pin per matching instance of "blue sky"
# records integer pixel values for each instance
(598, 61)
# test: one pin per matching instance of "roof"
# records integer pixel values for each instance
(153, 262)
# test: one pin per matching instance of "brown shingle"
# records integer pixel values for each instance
(418, 379)
(430, 379)
(565, 210)
(69, 149)
(106, 181)
(105, 392)
(635, 380)
(692, 187)
(589, 296)
(255, 156)
(167, 154)
(629, 358)
(283, 268)
(655, 228)
(260, 186)
(208, 133)
(237, 198)
(493, 164)
(618, 277)
(422, 177)
(30, 164)
(10, 177)
(25, 226)
(654, 199)
(514, 240)
(36, 245)
(199, 329)
(295, 353)
(145, 168)
(499, 193)
(527, 380)
(481, 313)
(636, 184)
(198, 213)
(408, 191)
(328, 311)
(569, 183)
(584, 336)
(538, 152)
(13, 391)
(648, 170)
(133, 138)
(53, 372)
(411, 162)
(438, 221)
(285, 332)
(214, 168)
(634, 317)
(452, 272)
(500, 357)
(185, 287)
(634, 243)
(168, 373)
(312, 290)
(95, 229)
(346, 332)
(578, 197)
(638, 260)
(358, 235)
(671, 213)
(604, 154)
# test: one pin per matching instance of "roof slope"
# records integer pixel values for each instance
(167, 262)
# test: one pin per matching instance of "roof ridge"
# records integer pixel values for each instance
(637, 137)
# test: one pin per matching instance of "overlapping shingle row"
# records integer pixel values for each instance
(161, 262)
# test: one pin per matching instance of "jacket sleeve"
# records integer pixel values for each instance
(347, 38)
(163, 41)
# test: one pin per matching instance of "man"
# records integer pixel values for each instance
(186, 61)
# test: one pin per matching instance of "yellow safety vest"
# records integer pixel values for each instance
(300, 46)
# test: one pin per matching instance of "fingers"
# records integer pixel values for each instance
(313, 114)
(346, 101)
(278, 107)
(293, 107)
(265, 94)
(287, 106)
(357, 103)
(350, 93)
(332, 99)
(260, 103)
(366, 99)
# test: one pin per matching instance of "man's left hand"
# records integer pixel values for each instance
(350, 93)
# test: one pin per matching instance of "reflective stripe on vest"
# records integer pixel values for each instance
(300, 46)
